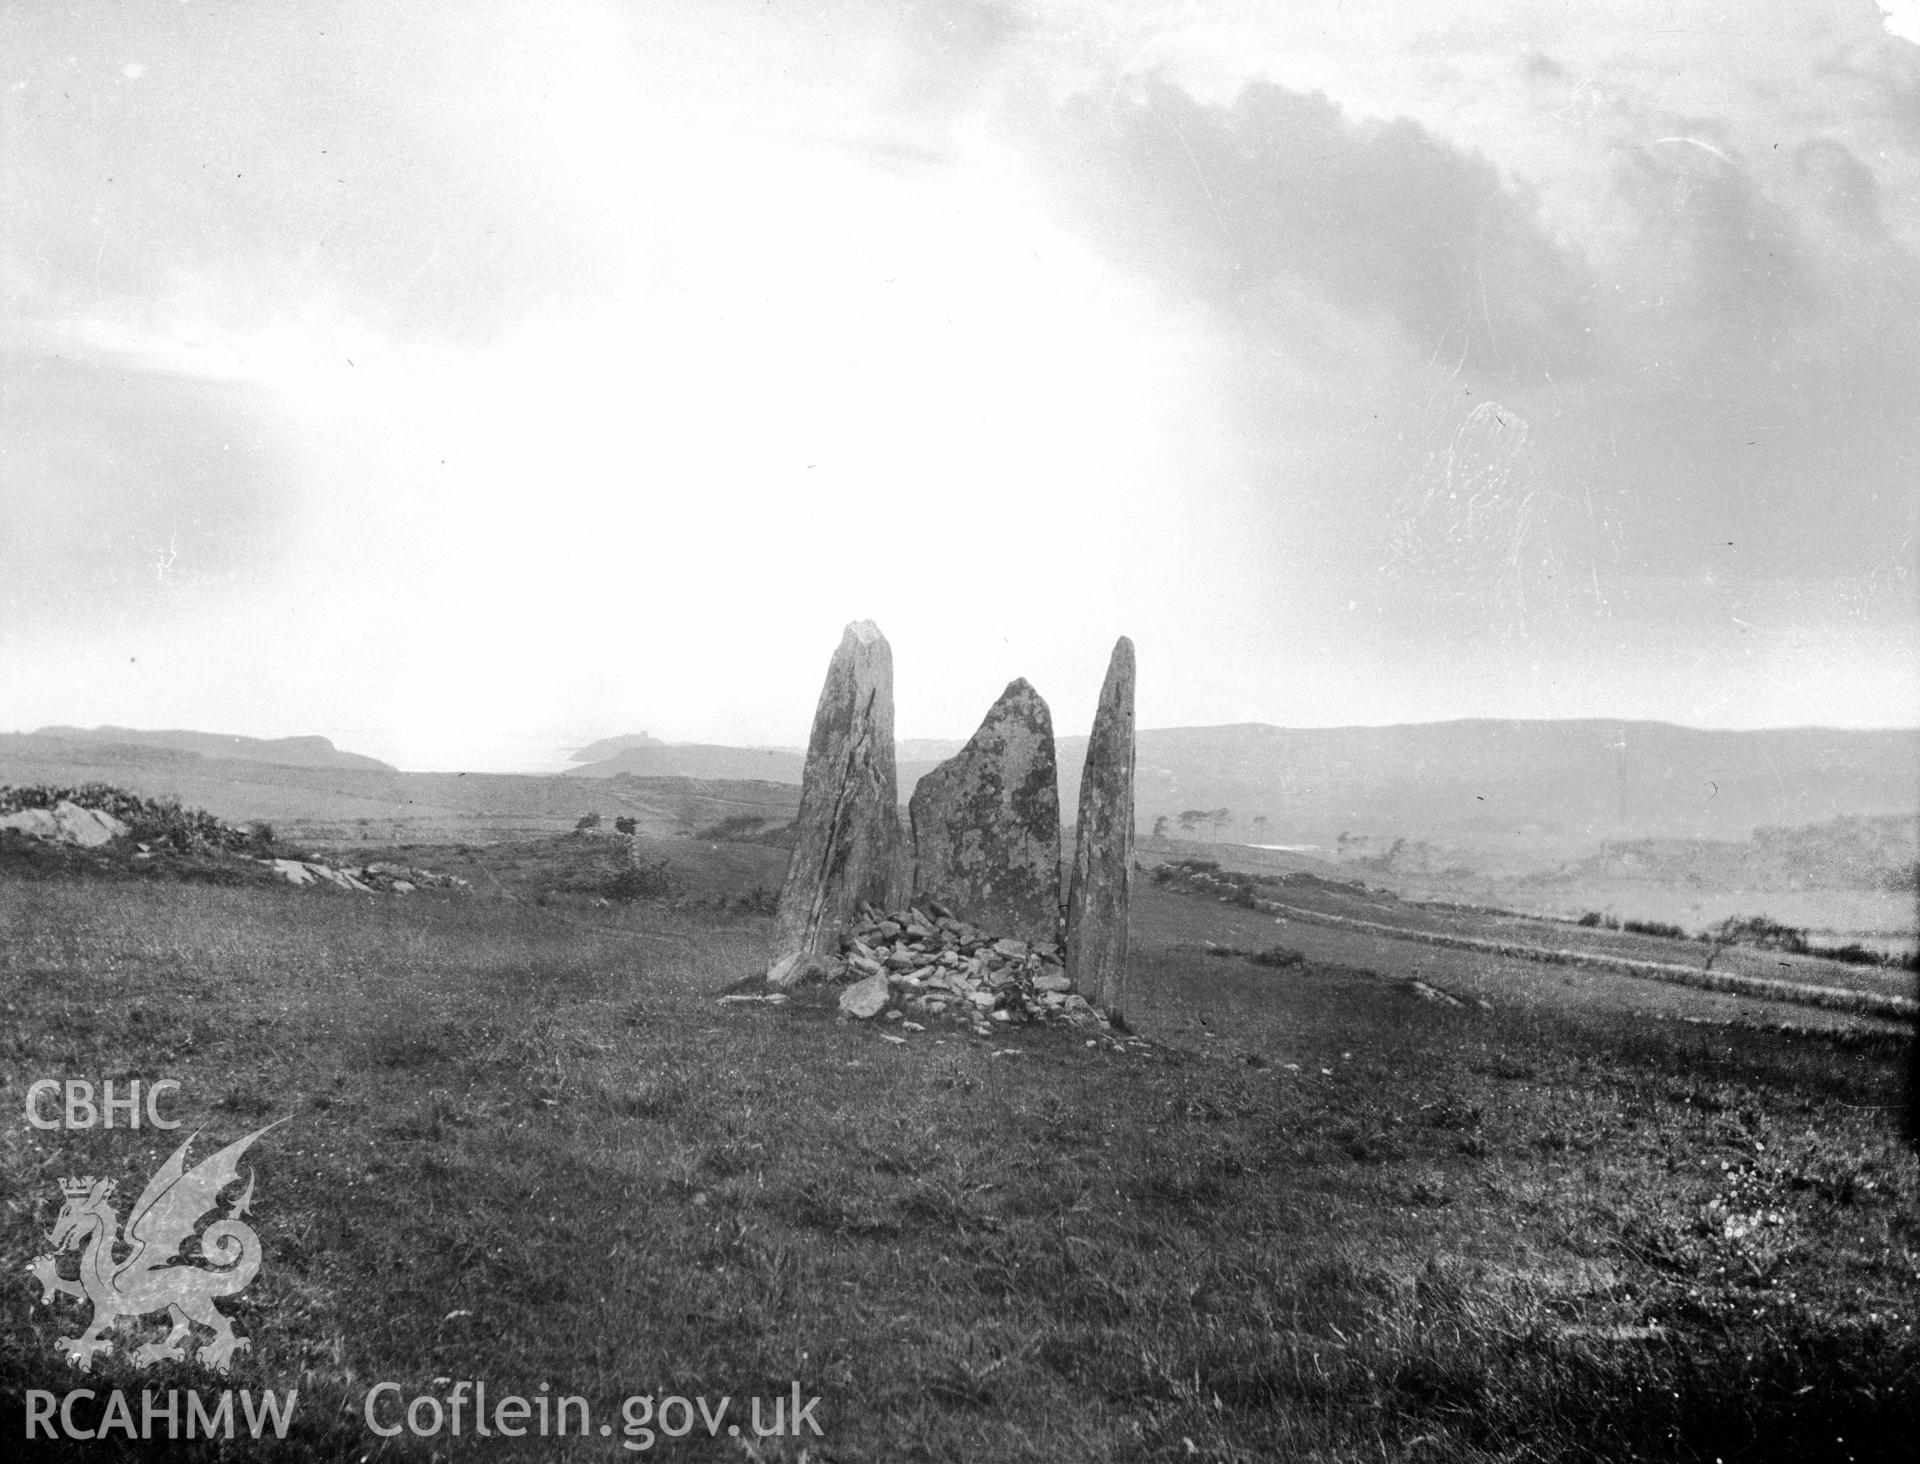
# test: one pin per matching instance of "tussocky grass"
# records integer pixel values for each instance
(1317, 1219)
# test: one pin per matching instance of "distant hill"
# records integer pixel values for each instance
(613, 746)
(1562, 788)
(291, 752)
(643, 757)
(1846, 852)
(928, 750)
(337, 801)
(1581, 780)
(1587, 779)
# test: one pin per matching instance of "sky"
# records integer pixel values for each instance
(467, 381)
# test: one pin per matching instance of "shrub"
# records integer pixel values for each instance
(649, 879)
(761, 900)
(158, 821)
(1851, 954)
(591, 821)
(1655, 927)
(1591, 918)
(1278, 957)
(1759, 931)
(734, 826)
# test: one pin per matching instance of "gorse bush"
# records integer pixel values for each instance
(647, 879)
(1851, 954)
(1763, 933)
(741, 826)
(1770, 935)
(1278, 957)
(1654, 927)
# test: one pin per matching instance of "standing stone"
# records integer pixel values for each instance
(847, 845)
(986, 823)
(1102, 886)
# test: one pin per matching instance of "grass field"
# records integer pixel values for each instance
(1319, 1219)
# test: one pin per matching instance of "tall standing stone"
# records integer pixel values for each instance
(846, 844)
(1102, 885)
(986, 823)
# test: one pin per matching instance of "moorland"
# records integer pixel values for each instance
(1306, 1211)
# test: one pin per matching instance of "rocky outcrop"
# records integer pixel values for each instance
(363, 878)
(305, 872)
(847, 844)
(393, 879)
(66, 823)
(986, 823)
(1101, 889)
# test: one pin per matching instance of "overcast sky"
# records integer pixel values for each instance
(466, 381)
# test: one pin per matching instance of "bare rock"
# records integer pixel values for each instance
(1101, 890)
(35, 823)
(865, 998)
(293, 871)
(847, 847)
(87, 827)
(986, 823)
(66, 823)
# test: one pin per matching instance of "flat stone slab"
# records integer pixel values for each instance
(865, 998)
(986, 823)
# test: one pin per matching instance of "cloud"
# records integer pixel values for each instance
(1715, 253)
(129, 489)
(428, 175)
(946, 49)
(1281, 194)
(1514, 434)
(1842, 186)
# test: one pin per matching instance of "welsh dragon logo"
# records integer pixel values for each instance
(142, 1282)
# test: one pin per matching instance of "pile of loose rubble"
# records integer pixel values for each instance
(923, 962)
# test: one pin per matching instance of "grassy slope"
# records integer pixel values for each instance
(1409, 1243)
(1354, 903)
(352, 803)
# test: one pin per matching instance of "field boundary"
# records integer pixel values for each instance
(1800, 993)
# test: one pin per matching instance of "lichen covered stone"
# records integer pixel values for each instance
(986, 823)
(847, 840)
(1100, 892)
